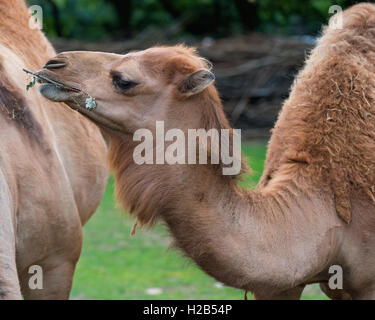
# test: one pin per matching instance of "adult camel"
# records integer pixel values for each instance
(314, 207)
(52, 170)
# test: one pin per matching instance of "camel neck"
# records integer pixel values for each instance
(232, 234)
(243, 237)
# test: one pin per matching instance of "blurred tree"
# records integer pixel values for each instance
(170, 8)
(95, 19)
(248, 12)
(296, 17)
(124, 12)
(56, 17)
(83, 19)
(204, 17)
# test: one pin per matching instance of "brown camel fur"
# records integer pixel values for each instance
(52, 169)
(314, 206)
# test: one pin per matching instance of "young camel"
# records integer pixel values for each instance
(52, 169)
(314, 206)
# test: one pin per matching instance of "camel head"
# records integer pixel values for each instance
(132, 91)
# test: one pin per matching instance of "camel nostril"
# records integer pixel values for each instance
(55, 64)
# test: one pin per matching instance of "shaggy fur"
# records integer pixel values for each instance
(327, 124)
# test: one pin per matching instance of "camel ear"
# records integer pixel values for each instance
(196, 82)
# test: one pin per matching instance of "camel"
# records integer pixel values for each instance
(314, 206)
(52, 170)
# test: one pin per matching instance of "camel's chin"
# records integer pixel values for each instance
(54, 93)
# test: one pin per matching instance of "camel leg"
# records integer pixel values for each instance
(9, 283)
(334, 294)
(57, 281)
(291, 294)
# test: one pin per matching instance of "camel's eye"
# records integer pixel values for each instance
(122, 83)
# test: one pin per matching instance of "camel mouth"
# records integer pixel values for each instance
(76, 99)
(54, 89)
(57, 91)
(42, 78)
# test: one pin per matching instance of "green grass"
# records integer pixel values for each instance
(114, 265)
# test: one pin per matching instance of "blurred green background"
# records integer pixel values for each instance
(96, 19)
